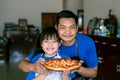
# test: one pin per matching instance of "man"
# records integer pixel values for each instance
(73, 44)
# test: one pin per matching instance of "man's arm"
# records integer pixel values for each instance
(87, 72)
(37, 67)
(25, 65)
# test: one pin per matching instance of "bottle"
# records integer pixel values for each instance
(103, 32)
(96, 30)
(103, 28)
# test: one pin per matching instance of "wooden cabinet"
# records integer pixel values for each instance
(21, 43)
(108, 50)
(48, 19)
(3, 52)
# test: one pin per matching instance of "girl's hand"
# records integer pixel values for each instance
(65, 72)
(65, 75)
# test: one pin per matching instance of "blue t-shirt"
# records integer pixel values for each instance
(32, 59)
(85, 48)
(86, 51)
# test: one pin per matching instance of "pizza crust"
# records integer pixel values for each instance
(61, 64)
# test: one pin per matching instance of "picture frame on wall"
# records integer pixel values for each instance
(22, 22)
(8, 25)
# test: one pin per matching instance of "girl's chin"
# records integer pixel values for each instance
(50, 54)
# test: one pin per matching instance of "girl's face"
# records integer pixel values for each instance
(50, 46)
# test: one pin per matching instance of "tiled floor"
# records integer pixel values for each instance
(10, 71)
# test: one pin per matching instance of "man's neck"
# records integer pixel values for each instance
(68, 43)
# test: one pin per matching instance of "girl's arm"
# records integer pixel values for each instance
(65, 75)
(40, 77)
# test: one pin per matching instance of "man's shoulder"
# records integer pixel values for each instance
(82, 36)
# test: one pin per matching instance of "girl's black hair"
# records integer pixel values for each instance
(47, 33)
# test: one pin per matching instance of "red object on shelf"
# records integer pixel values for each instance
(85, 31)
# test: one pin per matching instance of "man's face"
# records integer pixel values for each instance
(67, 29)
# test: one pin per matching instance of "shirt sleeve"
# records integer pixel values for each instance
(33, 59)
(30, 56)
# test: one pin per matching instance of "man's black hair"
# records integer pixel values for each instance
(66, 14)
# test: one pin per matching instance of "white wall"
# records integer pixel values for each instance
(12, 10)
(116, 9)
(100, 8)
(74, 5)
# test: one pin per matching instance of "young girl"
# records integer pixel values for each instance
(50, 42)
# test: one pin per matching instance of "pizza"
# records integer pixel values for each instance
(61, 64)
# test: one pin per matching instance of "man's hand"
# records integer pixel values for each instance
(81, 61)
(39, 68)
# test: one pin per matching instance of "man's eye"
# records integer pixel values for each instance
(62, 27)
(73, 27)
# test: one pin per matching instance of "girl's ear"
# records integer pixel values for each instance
(41, 45)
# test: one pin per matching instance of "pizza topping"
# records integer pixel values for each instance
(61, 64)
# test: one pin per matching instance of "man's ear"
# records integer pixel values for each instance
(77, 28)
(56, 27)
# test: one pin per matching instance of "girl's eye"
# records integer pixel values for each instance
(45, 41)
(55, 41)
